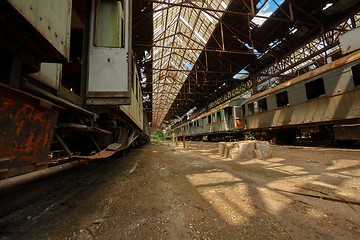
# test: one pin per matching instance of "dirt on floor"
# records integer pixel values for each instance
(163, 191)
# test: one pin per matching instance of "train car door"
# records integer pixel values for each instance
(110, 72)
(238, 117)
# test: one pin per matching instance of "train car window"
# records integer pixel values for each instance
(251, 108)
(315, 89)
(209, 119)
(110, 24)
(282, 99)
(238, 114)
(230, 111)
(356, 74)
(262, 103)
(218, 116)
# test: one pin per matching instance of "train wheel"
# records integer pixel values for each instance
(285, 137)
(324, 137)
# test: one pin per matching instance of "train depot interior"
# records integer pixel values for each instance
(179, 119)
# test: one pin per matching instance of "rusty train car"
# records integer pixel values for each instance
(69, 87)
(321, 105)
(222, 122)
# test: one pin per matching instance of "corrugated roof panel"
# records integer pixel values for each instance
(185, 31)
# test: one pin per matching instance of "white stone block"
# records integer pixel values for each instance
(230, 146)
(245, 150)
(262, 150)
(242, 151)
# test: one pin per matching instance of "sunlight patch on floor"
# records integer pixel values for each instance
(226, 194)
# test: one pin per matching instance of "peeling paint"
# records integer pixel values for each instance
(26, 132)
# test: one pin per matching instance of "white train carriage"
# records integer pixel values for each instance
(324, 102)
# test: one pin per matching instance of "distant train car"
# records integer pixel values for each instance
(69, 87)
(224, 121)
(324, 103)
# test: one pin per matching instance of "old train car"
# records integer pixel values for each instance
(222, 122)
(69, 87)
(323, 103)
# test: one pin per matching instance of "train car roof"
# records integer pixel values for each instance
(330, 66)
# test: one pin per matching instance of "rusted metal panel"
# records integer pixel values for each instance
(26, 132)
(51, 18)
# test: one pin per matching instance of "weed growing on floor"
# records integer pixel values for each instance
(331, 161)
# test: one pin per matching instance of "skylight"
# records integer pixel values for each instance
(327, 6)
(223, 4)
(180, 34)
(266, 10)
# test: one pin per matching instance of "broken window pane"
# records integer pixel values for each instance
(109, 24)
(315, 89)
(282, 99)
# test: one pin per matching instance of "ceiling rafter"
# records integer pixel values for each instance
(184, 5)
(171, 52)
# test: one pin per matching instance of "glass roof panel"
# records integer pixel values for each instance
(181, 31)
(266, 9)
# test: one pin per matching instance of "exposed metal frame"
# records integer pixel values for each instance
(271, 53)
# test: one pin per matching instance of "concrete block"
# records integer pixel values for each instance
(245, 150)
(262, 150)
(242, 151)
(230, 146)
(222, 148)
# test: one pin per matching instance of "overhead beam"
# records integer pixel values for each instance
(195, 49)
(246, 14)
(193, 71)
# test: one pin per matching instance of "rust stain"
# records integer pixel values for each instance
(26, 132)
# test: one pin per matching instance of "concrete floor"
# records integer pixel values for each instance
(163, 191)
